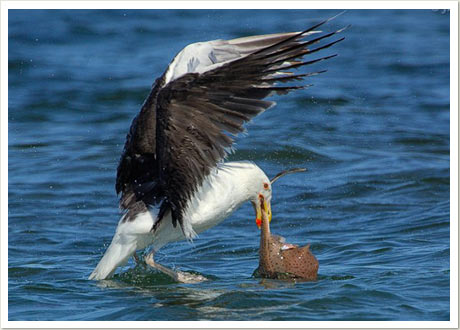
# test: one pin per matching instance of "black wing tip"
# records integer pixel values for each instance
(339, 14)
(337, 41)
(300, 35)
(336, 15)
(328, 57)
(322, 23)
(319, 59)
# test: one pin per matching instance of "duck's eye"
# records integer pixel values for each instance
(266, 186)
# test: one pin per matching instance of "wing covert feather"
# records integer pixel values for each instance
(198, 113)
(187, 124)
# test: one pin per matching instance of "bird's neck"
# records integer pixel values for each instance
(220, 195)
(264, 237)
(269, 249)
(265, 225)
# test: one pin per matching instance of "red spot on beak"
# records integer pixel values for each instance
(258, 222)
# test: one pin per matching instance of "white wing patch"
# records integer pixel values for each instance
(204, 56)
(200, 57)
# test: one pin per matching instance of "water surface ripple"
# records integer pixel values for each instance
(373, 132)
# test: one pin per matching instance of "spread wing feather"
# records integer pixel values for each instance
(186, 126)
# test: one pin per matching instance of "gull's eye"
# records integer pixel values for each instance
(266, 186)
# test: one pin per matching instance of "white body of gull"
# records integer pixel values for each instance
(171, 175)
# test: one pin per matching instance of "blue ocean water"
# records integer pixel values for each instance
(373, 132)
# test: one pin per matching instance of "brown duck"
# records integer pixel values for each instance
(281, 260)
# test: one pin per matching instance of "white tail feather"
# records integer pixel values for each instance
(116, 255)
(129, 237)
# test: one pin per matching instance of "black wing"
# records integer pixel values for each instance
(137, 169)
(182, 131)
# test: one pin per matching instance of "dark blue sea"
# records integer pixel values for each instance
(373, 133)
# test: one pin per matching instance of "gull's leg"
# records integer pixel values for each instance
(178, 276)
(136, 258)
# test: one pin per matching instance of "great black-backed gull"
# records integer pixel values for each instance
(171, 176)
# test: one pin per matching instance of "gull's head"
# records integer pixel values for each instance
(262, 193)
(262, 198)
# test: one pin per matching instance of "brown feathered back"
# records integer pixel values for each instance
(280, 260)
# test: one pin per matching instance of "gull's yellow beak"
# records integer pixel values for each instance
(258, 209)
